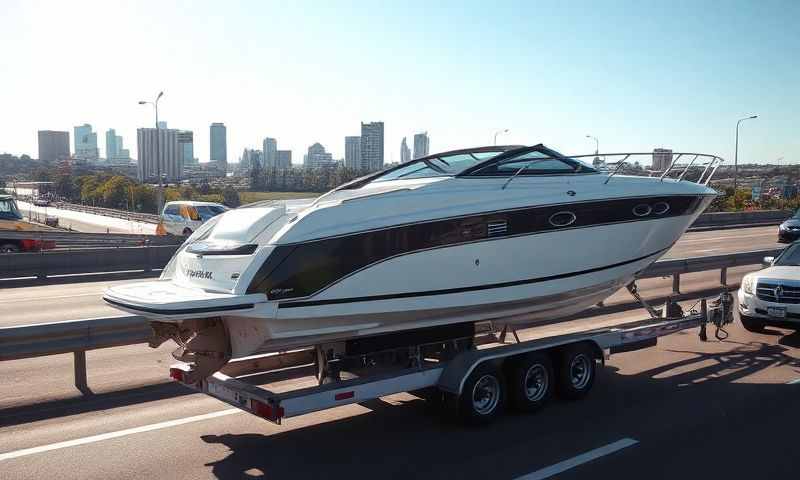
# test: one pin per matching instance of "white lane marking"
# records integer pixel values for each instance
(39, 299)
(573, 462)
(120, 433)
(792, 382)
(706, 250)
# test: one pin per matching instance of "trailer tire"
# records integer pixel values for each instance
(531, 382)
(9, 248)
(751, 324)
(576, 371)
(483, 395)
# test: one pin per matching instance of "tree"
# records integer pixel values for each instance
(204, 188)
(230, 197)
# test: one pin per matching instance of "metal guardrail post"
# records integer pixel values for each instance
(80, 372)
(676, 283)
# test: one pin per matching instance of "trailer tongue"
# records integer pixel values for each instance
(476, 374)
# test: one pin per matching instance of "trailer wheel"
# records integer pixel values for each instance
(483, 395)
(576, 371)
(9, 248)
(531, 382)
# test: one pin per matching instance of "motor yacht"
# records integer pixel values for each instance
(514, 233)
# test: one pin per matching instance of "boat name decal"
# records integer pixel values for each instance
(278, 292)
(199, 274)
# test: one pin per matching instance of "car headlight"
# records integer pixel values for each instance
(747, 284)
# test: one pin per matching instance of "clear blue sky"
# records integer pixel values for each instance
(637, 75)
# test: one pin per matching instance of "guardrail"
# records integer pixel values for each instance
(78, 336)
(48, 263)
(752, 218)
(106, 212)
(65, 239)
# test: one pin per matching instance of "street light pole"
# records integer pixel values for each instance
(505, 130)
(160, 193)
(736, 152)
(596, 144)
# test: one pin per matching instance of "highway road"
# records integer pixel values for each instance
(684, 409)
(71, 301)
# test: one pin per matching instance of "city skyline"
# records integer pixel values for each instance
(635, 89)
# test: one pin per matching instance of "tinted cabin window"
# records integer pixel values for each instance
(172, 210)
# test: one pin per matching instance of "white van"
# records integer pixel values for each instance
(184, 217)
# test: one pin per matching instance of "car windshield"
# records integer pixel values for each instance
(790, 257)
(8, 210)
(438, 166)
(209, 211)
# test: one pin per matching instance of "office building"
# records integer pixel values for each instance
(422, 144)
(405, 152)
(317, 157)
(219, 145)
(662, 159)
(53, 145)
(160, 152)
(371, 146)
(284, 159)
(186, 145)
(111, 144)
(352, 153)
(270, 149)
(86, 143)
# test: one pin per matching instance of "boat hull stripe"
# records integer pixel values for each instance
(302, 270)
(334, 301)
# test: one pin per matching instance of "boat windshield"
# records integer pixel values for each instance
(8, 210)
(438, 166)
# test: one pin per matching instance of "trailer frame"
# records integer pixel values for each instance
(448, 377)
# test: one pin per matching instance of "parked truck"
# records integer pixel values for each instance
(11, 220)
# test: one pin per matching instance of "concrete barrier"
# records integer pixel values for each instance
(759, 217)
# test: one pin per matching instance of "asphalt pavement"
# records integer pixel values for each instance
(683, 409)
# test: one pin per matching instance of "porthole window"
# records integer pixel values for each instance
(661, 208)
(562, 219)
(642, 210)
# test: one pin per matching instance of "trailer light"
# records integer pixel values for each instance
(266, 410)
(345, 395)
(176, 374)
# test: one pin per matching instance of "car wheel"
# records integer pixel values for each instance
(9, 248)
(187, 231)
(751, 324)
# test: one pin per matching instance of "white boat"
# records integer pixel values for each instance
(514, 233)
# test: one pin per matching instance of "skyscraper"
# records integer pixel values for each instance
(405, 152)
(170, 154)
(284, 159)
(422, 145)
(112, 149)
(317, 157)
(270, 149)
(352, 153)
(372, 146)
(53, 145)
(219, 145)
(86, 143)
(186, 146)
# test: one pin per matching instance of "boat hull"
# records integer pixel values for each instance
(526, 278)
